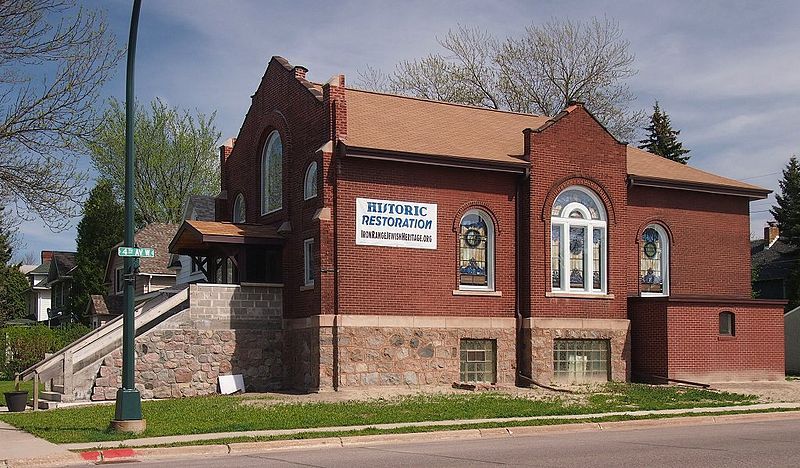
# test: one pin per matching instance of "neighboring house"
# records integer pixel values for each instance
(39, 294)
(773, 260)
(59, 280)
(197, 208)
(153, 274)
(423, 242)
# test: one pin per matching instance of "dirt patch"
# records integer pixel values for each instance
(767, 392)
(573, 395)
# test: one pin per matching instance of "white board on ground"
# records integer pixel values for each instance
(231, 384)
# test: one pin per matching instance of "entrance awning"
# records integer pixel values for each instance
(198, 237)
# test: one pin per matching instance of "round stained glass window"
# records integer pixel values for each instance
(473, 238)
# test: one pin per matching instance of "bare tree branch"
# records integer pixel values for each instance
(51, 72)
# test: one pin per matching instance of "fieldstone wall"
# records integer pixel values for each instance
(227, 329)
(371, 356)
(540, 333)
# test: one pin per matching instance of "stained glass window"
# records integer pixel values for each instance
(653, 261)
(310, 184)
(476, 247)
(239, 210)
(578, 263)
(555, 256)
(272, 174)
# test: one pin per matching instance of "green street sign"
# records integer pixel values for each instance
(136, 252)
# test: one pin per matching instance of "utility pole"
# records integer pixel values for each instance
(128, 413)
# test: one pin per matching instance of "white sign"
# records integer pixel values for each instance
(136, 252)
(391, 223)
(229, 384)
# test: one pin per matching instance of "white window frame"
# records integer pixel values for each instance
(273, 137)
(308, 256)
(665, 240)
(310, 188)
(564, 222)
(239, 206)
(490, 241)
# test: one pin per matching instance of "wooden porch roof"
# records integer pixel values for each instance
(197, 237)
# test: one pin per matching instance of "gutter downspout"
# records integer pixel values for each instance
(336, 270)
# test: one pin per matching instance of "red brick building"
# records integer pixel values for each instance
(422, 242)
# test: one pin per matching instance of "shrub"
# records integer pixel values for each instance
(21, 347)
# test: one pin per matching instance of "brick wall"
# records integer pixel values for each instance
(695, 350)
(402, 281)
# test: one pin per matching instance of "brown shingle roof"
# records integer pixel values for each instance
(157, 236)
(194, 237)
(647, 166)
(203, 206)
(417, 126)
(411, 125)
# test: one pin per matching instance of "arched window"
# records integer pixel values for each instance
(310, 183)
(476, 251)
(239, 210)
(727, 324)
(654, 261)
(578, 242)
(272, 174)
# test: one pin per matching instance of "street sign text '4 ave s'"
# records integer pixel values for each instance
(136, 252)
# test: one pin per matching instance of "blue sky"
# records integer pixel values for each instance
(727, 72)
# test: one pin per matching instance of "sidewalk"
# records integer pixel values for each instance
(20, 447)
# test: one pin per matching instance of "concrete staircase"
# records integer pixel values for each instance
(68, 375)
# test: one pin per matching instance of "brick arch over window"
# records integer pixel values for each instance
(584, 181)
(274, 122)
(475, 205)
(654, 220)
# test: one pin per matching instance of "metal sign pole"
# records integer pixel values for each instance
(128, 413)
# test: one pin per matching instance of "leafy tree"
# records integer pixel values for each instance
(662, 139)
(540, 71)
(54, 59)
(13, 284)
(175, 157)
(100, 229)
(787, 210)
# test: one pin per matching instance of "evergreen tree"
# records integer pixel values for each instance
(787, 210)
(662, 139)
(13, 284)
(100, 229)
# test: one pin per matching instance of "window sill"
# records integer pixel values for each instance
(307, 287)
(573, 295)
(726, 338)
(469, 292)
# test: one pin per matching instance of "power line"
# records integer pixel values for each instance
(762, 175)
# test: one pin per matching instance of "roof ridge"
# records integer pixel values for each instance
(434, 101)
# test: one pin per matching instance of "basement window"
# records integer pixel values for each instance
(580, 361)
(478, 361)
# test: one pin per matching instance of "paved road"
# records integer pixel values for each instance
(751, 444)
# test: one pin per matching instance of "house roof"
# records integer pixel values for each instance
(41, 269)
(64, 263)
(195, 237)
(105, 305)
(775, 262)
(406, 125)
(156, 236)
(412, 125)
(646, 167)
(203, 207)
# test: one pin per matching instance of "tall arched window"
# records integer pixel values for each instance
(239, 210)
(310, 183)
(272, 174)
(476, 251)
(654, 261)
(578, 240)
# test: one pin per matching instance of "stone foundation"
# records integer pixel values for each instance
(226, 330)
(406, 350)
(539, 334)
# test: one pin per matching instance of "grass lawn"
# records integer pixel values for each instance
(226, 414)
(8, 386)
